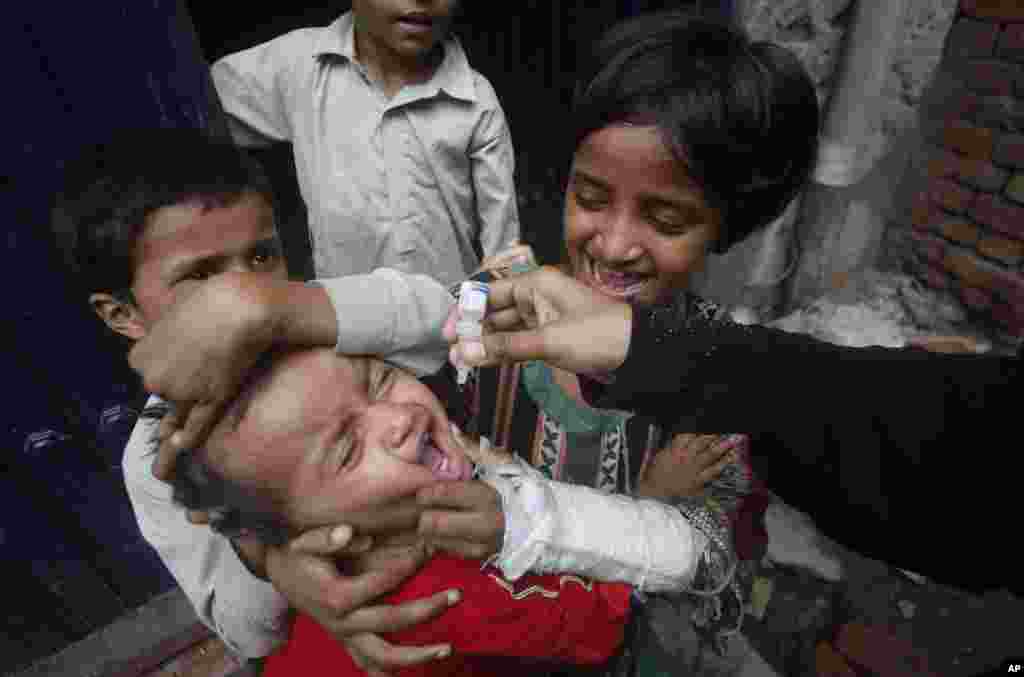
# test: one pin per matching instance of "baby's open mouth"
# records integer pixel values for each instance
(443, 467)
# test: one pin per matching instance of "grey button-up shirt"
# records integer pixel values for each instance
(422, 182)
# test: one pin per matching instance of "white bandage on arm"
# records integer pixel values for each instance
(552, 527)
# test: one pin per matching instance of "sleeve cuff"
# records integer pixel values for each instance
(394, 315)
(358, 302)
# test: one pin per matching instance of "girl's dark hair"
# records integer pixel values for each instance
(742, 117)
(112, 187)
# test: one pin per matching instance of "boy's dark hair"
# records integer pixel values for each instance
(113, 187)
(234, 509)
(742, 117)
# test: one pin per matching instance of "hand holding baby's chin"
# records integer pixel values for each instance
(462, 518)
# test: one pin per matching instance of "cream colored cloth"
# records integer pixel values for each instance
(553, 527)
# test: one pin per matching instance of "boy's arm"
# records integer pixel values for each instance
(493, 162)
(255, 87)
(247, 613)
(391, 314)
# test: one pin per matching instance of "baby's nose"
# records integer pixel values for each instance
(401, 425)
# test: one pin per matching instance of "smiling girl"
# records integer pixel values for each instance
(687, 138)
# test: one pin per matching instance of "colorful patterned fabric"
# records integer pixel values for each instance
(521, 408)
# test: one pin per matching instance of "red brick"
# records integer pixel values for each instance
(1009, 252)
(999, 215)
(1011, 42)
(961, 232)
(1009, 150)
(975, 142)
(951, 195)
(969, 269)
(1009, 286)
(995, 10)
(926, 215)
(978, 299)
(988, 77)
(929, 248)
(982, 175)
(969, 38)
(1011, 318)
(828, 662)
(943, 163)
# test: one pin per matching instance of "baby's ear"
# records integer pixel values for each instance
(121, 316)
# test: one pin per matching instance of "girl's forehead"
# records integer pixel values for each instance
(629, 147)
(633, 155)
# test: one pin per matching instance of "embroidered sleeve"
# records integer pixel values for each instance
(721, 600)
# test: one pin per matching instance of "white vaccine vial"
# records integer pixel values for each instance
(472, 308)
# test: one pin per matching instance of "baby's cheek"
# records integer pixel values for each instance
(386, 482)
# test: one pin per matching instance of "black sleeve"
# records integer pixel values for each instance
(901, 454)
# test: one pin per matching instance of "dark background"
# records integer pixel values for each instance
(71, 556)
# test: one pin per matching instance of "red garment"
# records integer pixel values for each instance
(496, 625)
(750, 535)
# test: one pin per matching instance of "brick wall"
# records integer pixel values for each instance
(965, 227)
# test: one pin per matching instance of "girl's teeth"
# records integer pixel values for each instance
(618, 281)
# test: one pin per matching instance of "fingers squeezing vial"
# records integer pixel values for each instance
(469, 325)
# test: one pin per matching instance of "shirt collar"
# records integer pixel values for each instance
(453, 76)
(338, 38)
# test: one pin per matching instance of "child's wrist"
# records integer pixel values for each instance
(278, 311)
(301, 314)
(257, 308)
